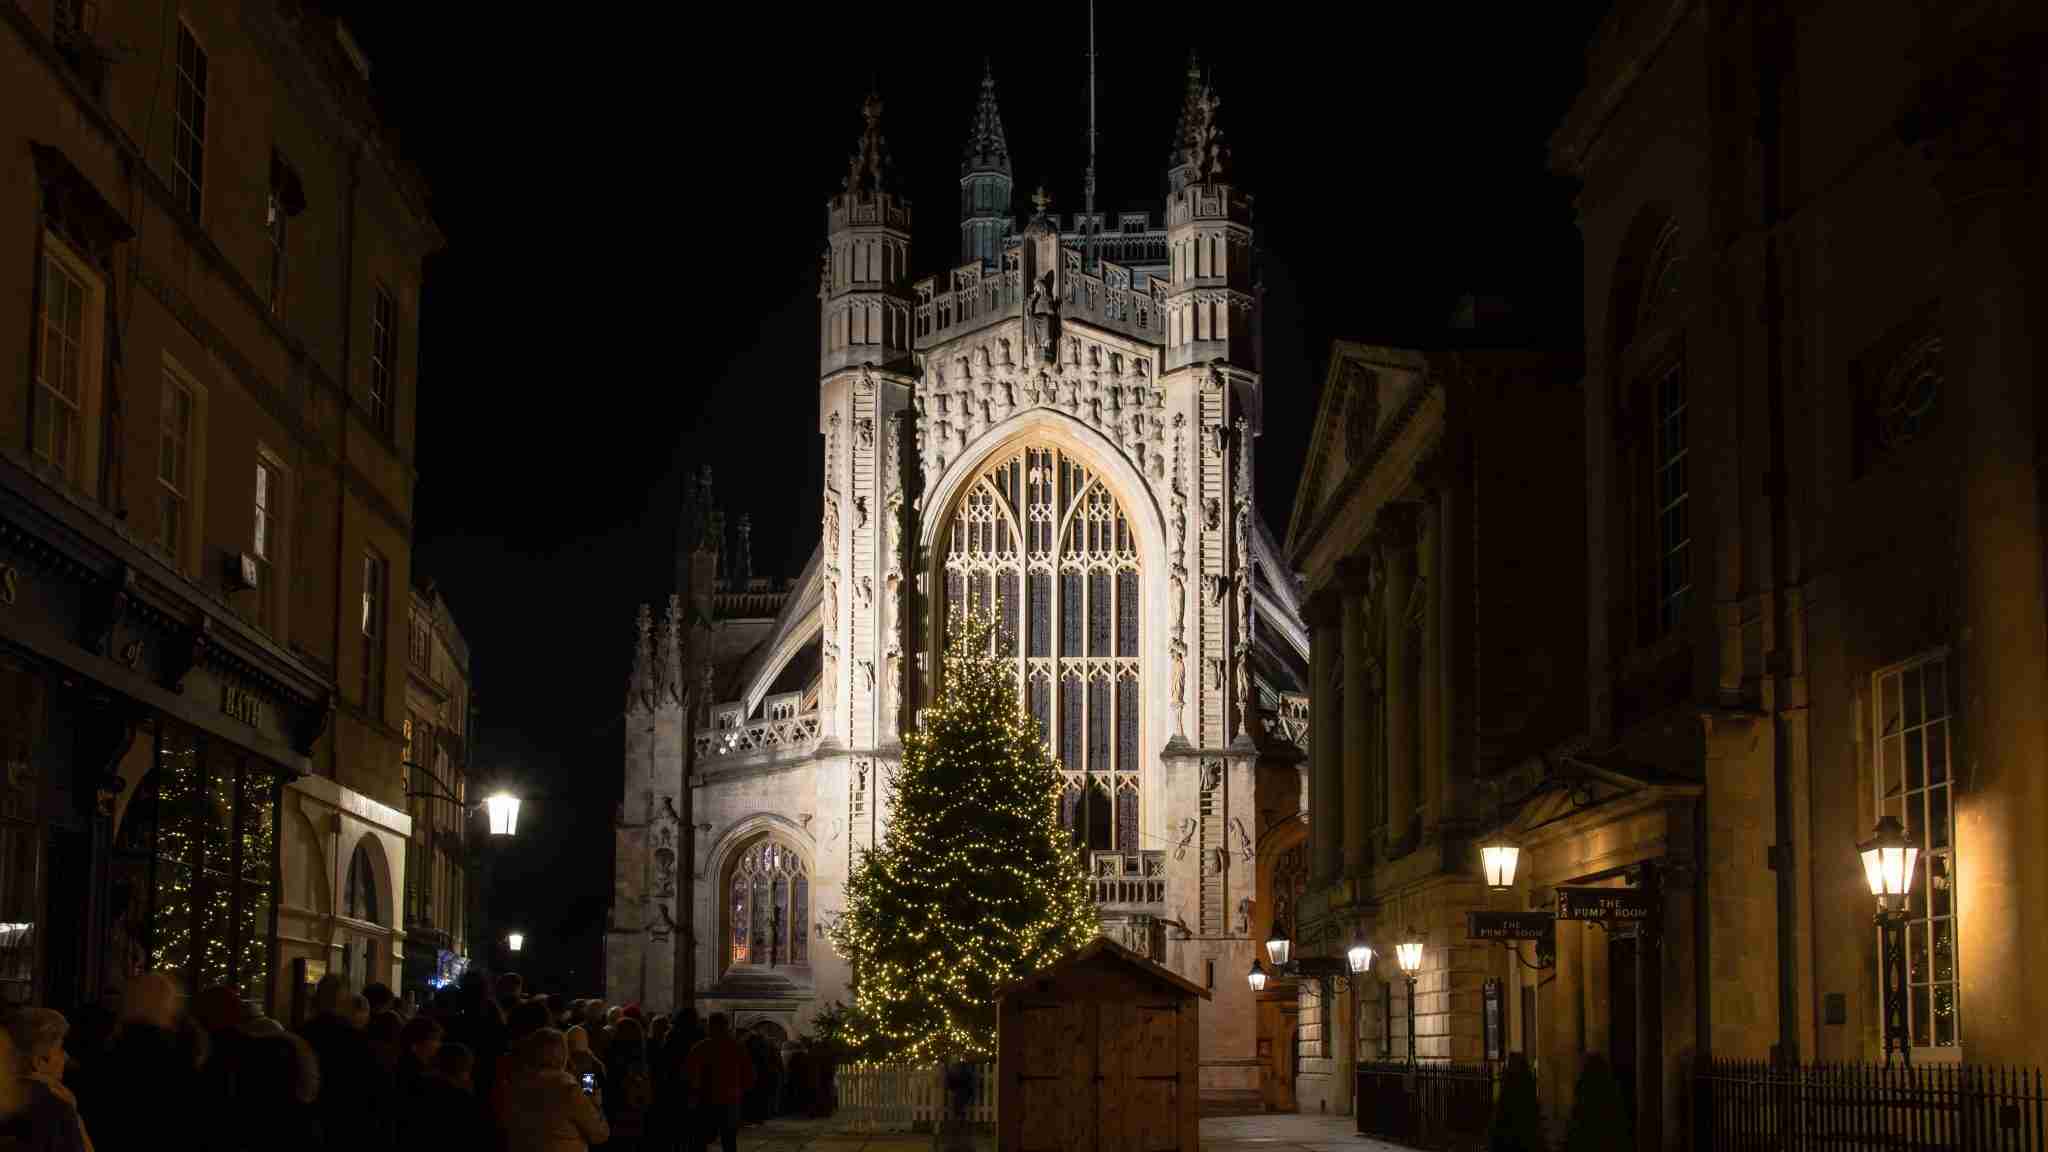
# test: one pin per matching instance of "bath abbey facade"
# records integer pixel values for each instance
(1058, 432)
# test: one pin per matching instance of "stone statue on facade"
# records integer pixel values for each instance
(1042, 319)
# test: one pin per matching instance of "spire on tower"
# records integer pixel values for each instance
(986, 150)
(1200, 154)
(985, 181)
(870, 169)
(1190, 97)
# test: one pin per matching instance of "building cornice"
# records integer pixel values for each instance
(1629, 41)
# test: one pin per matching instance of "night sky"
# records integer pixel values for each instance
(634, 212)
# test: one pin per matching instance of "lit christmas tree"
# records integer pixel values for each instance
(975, 884)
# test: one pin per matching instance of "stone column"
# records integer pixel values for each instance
(1430, 773)
(1561, 1017)
(1326, 823)
(1397, 537)
(1357, 725)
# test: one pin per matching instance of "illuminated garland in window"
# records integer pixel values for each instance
(975, 883)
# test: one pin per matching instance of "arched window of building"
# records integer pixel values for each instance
(360, 897)
(768, 907)
(1041, 546)
(1652, 431)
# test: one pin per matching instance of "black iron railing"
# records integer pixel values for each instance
(1744, 1106)
(1435, 1106)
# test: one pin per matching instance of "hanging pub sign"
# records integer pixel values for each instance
(1607, 907)
(1508, 925)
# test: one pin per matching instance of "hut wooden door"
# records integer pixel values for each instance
(1101, 1077)
(1057, 1077)
(1137, 1082)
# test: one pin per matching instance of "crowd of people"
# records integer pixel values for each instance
(482, 1065)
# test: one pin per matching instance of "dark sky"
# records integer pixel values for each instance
(634, 212)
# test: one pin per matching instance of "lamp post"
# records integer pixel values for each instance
(1890, 862)
(1409, 953)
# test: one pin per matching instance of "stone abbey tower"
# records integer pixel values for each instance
(1058, 431)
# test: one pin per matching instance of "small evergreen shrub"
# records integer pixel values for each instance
(1600, 1116)
(1517, 1116)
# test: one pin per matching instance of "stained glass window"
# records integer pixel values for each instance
(768, 903)
(1079, 616)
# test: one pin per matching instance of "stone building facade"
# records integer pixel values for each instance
(206, 471)
(1440, 537)
(439, 705)
(1815, 568)
(1813, 582)
(1062, 441)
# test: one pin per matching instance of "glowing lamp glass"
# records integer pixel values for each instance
(1409, 953)
(1256, 977)
(1499, 859)
(1279, 947)
(1360, 957)
(515, 941)
(504, 812)
(1890, 861)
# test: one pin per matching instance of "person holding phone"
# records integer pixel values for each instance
(545, 1109)
(583, 1063)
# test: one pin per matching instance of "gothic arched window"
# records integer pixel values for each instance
(768, 907)
(1041, 546)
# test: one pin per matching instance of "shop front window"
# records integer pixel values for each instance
(21, 710)
(209, 814)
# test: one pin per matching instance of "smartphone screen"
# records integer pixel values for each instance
(589, 1083)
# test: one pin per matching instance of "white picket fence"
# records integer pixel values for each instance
(905, 1097)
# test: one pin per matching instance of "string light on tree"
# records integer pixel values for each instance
(975, 883)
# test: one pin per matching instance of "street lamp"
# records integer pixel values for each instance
(1409, 953)
(1890, 861)
(515, 941)
(1499, 857)
(1280, 950)
(504, 812)
(1278, 946)
(1360, 955)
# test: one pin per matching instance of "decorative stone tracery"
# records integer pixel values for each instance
(1040, 544)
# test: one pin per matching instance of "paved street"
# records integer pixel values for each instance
(1279, 1133)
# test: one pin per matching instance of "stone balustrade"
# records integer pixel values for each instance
(797, 733)
(1129, 881)
(978, 299)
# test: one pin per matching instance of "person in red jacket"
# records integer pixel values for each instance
(719, 1072)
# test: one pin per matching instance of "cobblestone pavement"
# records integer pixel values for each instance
(1273, 1133)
